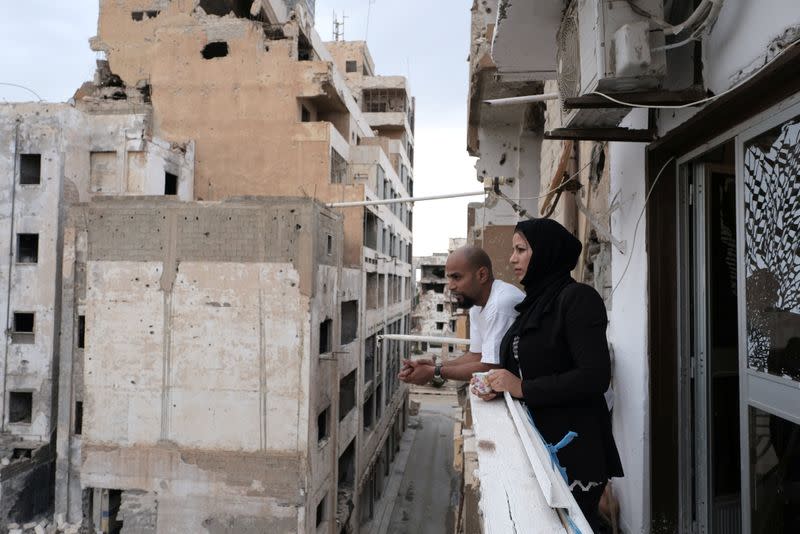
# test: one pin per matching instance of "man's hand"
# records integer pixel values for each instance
(503, 380)
(417, 372)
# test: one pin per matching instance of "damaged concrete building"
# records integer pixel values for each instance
(193, 336)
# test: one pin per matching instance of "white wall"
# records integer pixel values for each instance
(627, 331)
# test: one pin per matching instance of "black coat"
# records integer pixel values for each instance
(566, 371)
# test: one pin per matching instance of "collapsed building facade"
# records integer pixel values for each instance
(193, 336)
(664, 136)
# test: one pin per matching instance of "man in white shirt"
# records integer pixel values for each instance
(491, 311)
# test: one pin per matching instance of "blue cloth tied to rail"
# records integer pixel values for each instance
(553, 450)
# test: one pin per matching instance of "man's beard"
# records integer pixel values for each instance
(464, 302)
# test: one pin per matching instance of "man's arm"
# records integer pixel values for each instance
(422, 373)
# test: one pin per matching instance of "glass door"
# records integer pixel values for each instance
(768, 160)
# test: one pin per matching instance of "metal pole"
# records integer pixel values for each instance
(514, 100)
(429, 339)
(357, 203)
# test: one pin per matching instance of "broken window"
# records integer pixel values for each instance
(349, 321)
(305, 51)
(322, 425)
(216, 49)
(321, 510)
(20, 408)
(338, 168)
(27, 248)
(347, 466)
(369, 358)
(325, 330)
(347, 395)
(81, 331)
(351, 66)
(370, 229)
(305, 114)
(384, 100)
(170, 183)
(19, 453)
(378, 402)
(369, 411)
(30, 169)
(78, 418)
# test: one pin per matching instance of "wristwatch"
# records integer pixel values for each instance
(438, 380)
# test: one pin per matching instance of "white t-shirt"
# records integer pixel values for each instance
(488, 324)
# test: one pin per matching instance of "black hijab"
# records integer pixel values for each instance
(555, 252)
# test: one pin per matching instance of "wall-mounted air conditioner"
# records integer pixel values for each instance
(607, 46)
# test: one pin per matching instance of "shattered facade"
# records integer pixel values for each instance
(683, 233)
(200, 349)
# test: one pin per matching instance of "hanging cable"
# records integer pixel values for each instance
(636, 227)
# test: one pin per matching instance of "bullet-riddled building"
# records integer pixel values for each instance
(211, 326)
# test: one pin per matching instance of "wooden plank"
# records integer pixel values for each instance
(510, 497)
(558, 177)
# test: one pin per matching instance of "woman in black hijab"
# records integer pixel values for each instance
(555, 358)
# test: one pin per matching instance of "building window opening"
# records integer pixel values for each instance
(20, 453)
(347, 395)
(351, 66)
(216, 49)
(347, 466)
(20, 408)
(23, 323)
(321, 511)
(78, 418)
(323, 430)
(305, 114)
(329, 247)
(30, 169)
(440, 307)
(305, 52)
(170, 184)
(27, 248)
(325, 331)
(368, 412)
(338, 168)
(439, 326)
(81, 331)
(349, 323)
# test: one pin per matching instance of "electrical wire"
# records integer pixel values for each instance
(23, 87)
(636, 227)
(704, 100)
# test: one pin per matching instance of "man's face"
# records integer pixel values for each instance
(462, 281)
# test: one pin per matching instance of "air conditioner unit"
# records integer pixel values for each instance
(606, 46)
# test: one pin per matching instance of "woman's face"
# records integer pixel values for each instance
(520, 256)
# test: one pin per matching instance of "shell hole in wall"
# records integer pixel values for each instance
(214, 50)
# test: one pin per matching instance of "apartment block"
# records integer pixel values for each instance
(194, 328)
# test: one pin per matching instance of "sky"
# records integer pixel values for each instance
(46, 49)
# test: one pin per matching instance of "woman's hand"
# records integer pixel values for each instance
(483, 396)
(504, 380)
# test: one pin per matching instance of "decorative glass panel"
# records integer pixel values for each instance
(772, 255)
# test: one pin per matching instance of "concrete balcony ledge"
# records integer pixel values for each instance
(507, 486)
